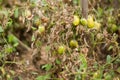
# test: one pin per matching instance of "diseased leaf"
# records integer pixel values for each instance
(1, 29)
(109, 58)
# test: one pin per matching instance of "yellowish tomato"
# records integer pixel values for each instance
(76, 20)
(96, 75)
(114, 28)
(3, 71)
(83, 21)
(61, 49)
(90, 22)
(97, 25)
(41, 29)
(73, 43)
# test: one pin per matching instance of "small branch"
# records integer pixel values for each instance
(24, 45)
(84, 5)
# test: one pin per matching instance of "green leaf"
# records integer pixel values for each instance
(4, 12)
(110, 48)
(9, 49)
(83, 60)
(9, 23)
(99, 12)
(33, 1)
(118, 70)
(33, 28)
(109, 58)
(1, 29)
(16, 13)
(12, 38)
(1, 1)
(16, 44)
(58, 61)
(108, 77)
(92, 37)
(33, 38)
(44, 2)
(75, 2)
(45, 77)
(47, 67)
(47, 48)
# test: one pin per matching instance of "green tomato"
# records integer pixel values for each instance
(96, 75)
(83, 21)
(37, 22)
(90, 22)
(41, 29)
(61, 49)
(8, 77)
(111, 19)
(76, 20)
(114, 28)
(73, 43)
(97, 25)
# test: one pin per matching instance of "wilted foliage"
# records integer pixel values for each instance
(50, 39)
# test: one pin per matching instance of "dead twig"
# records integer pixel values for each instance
(84, 5)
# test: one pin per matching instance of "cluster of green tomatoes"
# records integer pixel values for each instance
(90, 23)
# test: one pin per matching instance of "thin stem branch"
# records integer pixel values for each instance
(84, 5)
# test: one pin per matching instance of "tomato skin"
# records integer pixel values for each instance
(114, 28)
(97, 25)
(83, 21)
(76, 20)
(41, 29)
(61, 49)
(73, 43)
(90, 22)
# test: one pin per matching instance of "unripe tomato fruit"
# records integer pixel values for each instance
(73, 43)
(111, 19)
(76, 20)
(96, 75)
(114, 28)
(90, 22)
(41, 29)
(97, 25)
(61, 49)
(83, 21)
(8, 76)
